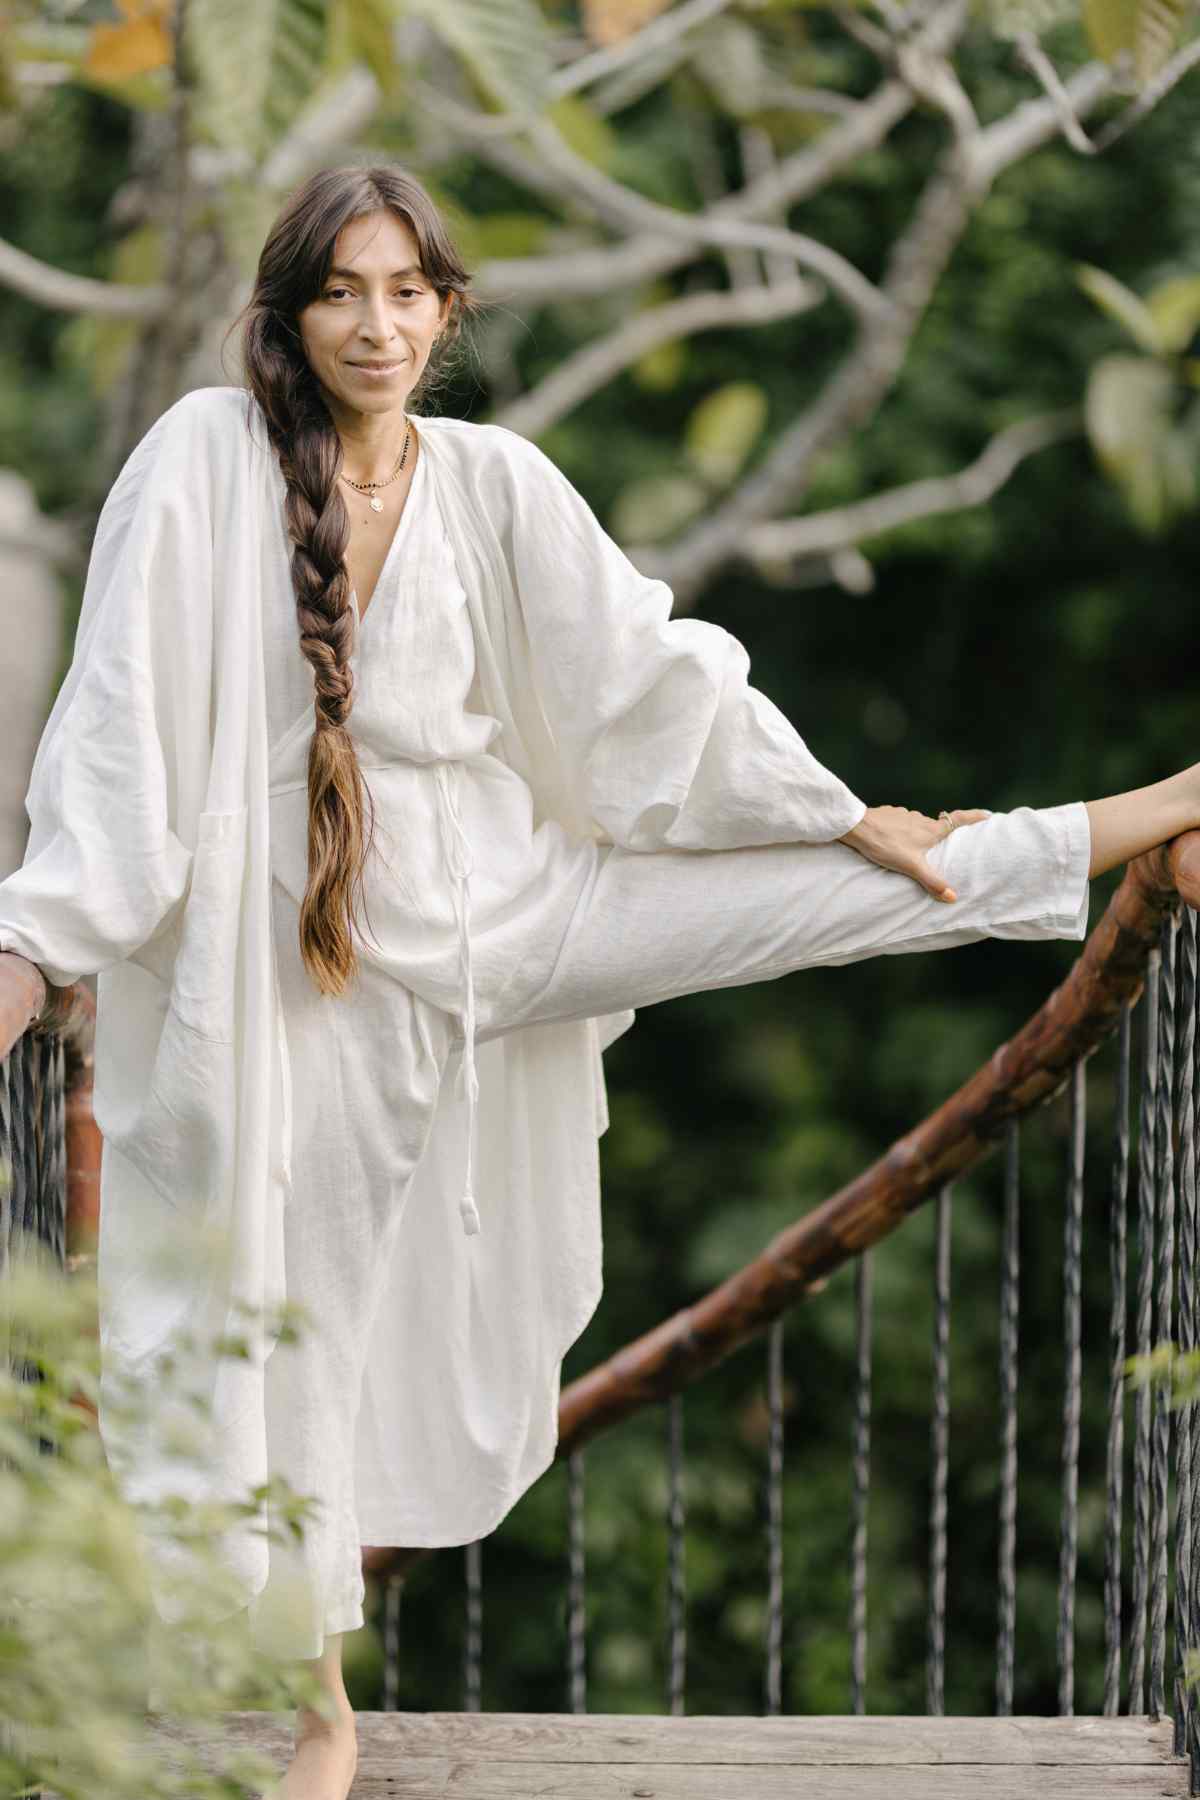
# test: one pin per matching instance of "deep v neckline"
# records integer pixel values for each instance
(377, 593)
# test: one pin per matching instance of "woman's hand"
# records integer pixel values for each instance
(897, 838)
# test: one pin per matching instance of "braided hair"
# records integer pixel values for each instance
(292, 270)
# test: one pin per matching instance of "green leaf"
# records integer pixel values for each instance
(1128, 415)
(657, 506)
(1148, 30)
(504, 43)
(1175, 309)
(1123, 305)
(724, 428)
(1159, 23)
(364, 31)
(1111, 25)
(255, 67)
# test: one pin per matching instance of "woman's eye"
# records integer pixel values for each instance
(331, 293)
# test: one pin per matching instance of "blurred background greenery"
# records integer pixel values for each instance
(1031, 649)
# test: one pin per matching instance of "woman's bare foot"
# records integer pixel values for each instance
(325, 1758)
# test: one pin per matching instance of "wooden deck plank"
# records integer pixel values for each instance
(561, 1756)
(819, 1739)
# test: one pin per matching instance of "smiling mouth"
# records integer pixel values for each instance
(378, 367)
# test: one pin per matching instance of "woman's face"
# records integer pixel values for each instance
(376, 307)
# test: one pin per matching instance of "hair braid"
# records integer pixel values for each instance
(292, 269)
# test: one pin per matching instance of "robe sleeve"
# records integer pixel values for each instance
(103, 866)
(664, 740)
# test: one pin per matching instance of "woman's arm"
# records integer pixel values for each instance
(104, 865)
(661, 734)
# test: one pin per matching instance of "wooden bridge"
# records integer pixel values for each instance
(614, 1756)
(1135, 982)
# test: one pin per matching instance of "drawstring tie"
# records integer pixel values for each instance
(460, 864)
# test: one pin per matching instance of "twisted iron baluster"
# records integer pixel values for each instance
(473, 1649)
(1116, 1379)
(21, 1126)
(576, 1586)
(1148, 1015)
(393, 1593)
(1165, 1238)
(862, 1484)
(1193, 928)
(935, 1665)
(1072, 1285)
(676, 1626)
(1185, 1055)
(8, 1183)
(774, 1517)
(52, 1173)
(1009, 1306)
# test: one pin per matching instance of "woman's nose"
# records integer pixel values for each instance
(376, 321)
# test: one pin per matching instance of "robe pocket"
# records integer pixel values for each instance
(204, 979)
(184, 1136)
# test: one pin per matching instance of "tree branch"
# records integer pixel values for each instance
(563, 175)
(595, 364)
(56, 288)
(644, 256)
(840, 528)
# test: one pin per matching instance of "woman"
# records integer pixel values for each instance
(337, 653)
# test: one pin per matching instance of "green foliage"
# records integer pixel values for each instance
(1143, 423)
(254, 68)
(87, 1667)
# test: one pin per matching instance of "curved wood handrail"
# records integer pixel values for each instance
(27, 1000)
(1021, 1075)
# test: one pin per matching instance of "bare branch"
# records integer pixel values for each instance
(848, 399)
(56, 288)
(1151, 94)
(598, 363)
(822, 534)
(341, 113)
(558, 173)
(609, 268)
(1033, 57)
(1034, 122)
(666, 29)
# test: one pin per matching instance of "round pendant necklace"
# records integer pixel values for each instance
(371, 487)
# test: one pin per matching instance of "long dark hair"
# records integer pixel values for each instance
(292, 270)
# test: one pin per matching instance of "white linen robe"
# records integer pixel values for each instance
(148, 864)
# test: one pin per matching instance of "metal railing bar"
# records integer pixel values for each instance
(676, 1578)
(576, 1585)
(774, 1668)
(473, 1635)
(1009, 1313)
(1164, 1156)
(939, 1444)
(1148, 1019)
(861, 1482)
(1072, 1378)
(1115, 1452)
(1185, 1061)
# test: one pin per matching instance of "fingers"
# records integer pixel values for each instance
(934, 883)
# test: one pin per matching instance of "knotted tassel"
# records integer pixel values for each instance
(470, 1213)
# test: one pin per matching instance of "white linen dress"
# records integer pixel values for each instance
(421, 1421)
(478, 921)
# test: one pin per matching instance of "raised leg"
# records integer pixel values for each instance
(652, 925)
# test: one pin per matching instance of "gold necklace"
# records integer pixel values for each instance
(368, 487)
